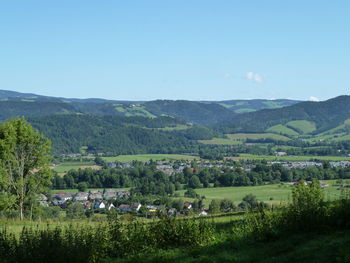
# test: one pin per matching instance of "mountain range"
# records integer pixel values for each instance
(177, 126)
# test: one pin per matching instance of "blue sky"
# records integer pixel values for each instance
(185, 49)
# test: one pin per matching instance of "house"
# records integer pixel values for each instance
(87, 204)
(136, 206)
(110, 194)
(110, 206)
(63, 196)
(187, 205)
(100, 205)
(81, 197)
(124, 208)
(122, 194)
(95, 195)
(203, 213)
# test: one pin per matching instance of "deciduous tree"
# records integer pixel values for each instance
(24, 162)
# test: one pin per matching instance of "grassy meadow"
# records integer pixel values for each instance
(272, 194)
(64, 167)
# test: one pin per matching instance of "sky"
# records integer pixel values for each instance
(184, 49)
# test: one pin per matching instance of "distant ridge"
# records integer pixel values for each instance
(13, 104)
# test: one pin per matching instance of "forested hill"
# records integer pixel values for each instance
(325, 115)
(14, 104)
(196, 112)
(119, 135)
(243, 106)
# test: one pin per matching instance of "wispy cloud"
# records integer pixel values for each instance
(228, 75)
(256, 77)
(312, 98)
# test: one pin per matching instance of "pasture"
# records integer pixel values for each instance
(302, 125)
(257, 136)
(282, 130)
(64, 167)
(272, 194)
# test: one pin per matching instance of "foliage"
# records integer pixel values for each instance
(24, 162)
(191, 193)
(115, 240)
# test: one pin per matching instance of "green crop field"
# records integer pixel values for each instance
(289, 158)
(147, 157)
(257, 136)
(273, 194)
(302, 125)
(282, 130)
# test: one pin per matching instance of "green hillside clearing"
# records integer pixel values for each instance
(302, 125)
(257, 136)
(281, 129)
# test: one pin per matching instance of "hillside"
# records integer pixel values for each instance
(312, 117)
(198, 112)
(118, 135)
(243, 106)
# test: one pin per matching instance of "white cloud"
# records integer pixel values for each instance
(257, 78)
(312, 98)
(250, 75)
(228, 75)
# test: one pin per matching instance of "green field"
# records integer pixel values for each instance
(282, 130)
(302, 125)
(147, 157)
(257, 136)
(133, 110)
(66, 166)
(279, 193)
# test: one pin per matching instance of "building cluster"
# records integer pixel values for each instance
(105, 200)
(305, 164)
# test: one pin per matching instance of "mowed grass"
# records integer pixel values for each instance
(288, 158)
(302, 125)
(257, 136)
(66, 166)
(147, 157)
(282, 130)
(272, 194)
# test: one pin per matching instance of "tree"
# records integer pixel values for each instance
(191, 193)
(82, 186)
(249, 202)
(194, 182)
(214, 206)
(75, 210)
(226, 205)
(24, 162)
